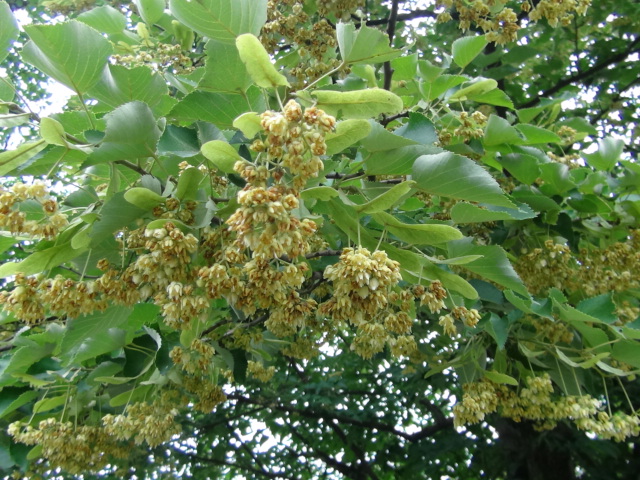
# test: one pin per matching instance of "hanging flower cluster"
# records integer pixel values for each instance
(19, 199)
(537, 402)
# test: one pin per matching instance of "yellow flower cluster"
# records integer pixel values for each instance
(501, 25)
(536, 402)
(153, 423)
(364, 296)
(14, 220)
(165, 57)
(471, 126)
(556, 11)
(77, 450)
(592, 271)
(554, 331)
(260, 372)
(469, 317)
(287, 26)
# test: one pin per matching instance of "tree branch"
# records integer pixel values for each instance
(391, 32)
(343, 468)
(132, 166)
(402, 17)
(355, 448)
(585, 74)
(323, 253)
(214, 461)
(371, 424)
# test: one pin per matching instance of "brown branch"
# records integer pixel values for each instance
(613, 101)
(342, 176)
(391, 32)
(214, 461)
(323, 253)
(343, 468)
(387, 120)
(585, 74)
(403, 17)
(132, 166)
(317, 413)
(355, 449)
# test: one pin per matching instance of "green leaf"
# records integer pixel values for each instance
(72, 53)
(420, 233)
(13, 120)
(23, 357)
(608, 154)
(468, 213)
(115, 214)
(476, 87)
(119, 85)
(601, 307)
(498, 328)
(627, 351)
(150, 10)
(365, 45)
(258, 63)
(131, 133)
(380, 139)
(500, 378)
(222, 155)
(41, 260)
(222, 20)
(179, 141)
(13, 398)
(346, 134)
(49, 403)
(7, 242)
(493, 265)
(137, 394)
(498, 132)
(556, 177)
(433, 89)
(465, 49)
(614, 371)
(221, 109)
(90, 333)
(8, 29)
(535, 135)
(494, 97)
(396, 162)
(419, 129)
(367, 103)
(249, 124)
(455, 176)
(224, 57)
(12, 159)
(386, 200)
(523, 167)
(536, 200)
(52, 132)
(42, 164)
(105, 19)
(188, 183)
(321, 193)
(143, 198)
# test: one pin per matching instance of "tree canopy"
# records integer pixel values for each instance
(320, 239)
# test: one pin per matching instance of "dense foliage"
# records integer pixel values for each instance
(320, 239)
